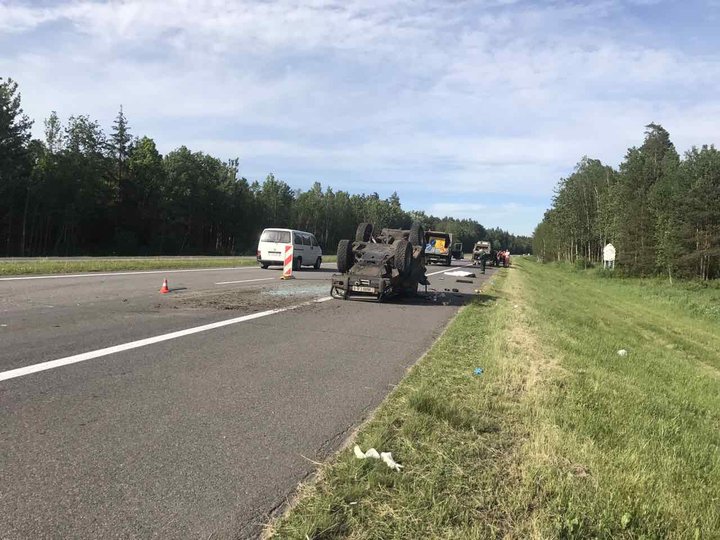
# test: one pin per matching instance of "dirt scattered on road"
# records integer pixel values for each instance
(252, 299)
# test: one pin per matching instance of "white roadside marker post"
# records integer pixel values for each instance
(288, 263)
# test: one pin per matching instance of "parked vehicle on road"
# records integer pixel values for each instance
(271, 248)
(482, 254)
(378, 266)
(457, 251)
(437, 247)
(503, 258)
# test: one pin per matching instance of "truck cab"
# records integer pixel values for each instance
(438, 247)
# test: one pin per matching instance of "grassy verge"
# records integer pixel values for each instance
(560, 437)
(71, 266)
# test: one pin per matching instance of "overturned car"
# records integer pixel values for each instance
(379, 266)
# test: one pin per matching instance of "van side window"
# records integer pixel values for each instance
(306, 240)
(297, 239)
(314, 241)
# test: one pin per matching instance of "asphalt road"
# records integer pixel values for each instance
(199, 435)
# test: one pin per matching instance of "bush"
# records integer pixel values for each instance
(581, 263)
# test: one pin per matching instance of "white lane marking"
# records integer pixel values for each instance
(449, 269)
(52, 364)
(246, 280)
(97, 274)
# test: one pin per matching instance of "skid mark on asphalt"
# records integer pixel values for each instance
(68, 360)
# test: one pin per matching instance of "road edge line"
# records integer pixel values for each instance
(90, 355)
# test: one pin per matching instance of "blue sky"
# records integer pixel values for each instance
(465, 108)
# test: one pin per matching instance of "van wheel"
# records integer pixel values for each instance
(264, 266)
(317, 264)
(297, 263)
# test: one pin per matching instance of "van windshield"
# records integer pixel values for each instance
(278, 237)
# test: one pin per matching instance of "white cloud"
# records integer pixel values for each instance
(479, 98)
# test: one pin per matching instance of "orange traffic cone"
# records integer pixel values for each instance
(164, 289)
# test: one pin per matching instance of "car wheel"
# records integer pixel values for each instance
(403, 256)
(417, 235)
(297, 263)
(317, 264)
(345, 257)
(264, 266)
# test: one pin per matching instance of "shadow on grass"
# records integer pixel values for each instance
(458, 416)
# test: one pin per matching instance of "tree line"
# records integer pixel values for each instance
(80, 191)
(660, 211)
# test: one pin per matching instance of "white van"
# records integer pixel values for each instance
(271, 248)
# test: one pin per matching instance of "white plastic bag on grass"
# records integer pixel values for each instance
(384, 456)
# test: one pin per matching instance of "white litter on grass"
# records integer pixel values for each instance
(622, 352)
(384, 456)
(460, 273)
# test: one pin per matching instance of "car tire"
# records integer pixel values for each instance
(264, 266)
(417, 235)
(297, 264)
(403, 256)
(364, 232)
(345, 257)
(318, 263)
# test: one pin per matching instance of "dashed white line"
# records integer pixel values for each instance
(98, 274)
(246, 280)
(52, 364)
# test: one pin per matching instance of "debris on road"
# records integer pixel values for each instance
(463, 281)
(478, 371)
(622, 352)
(386, 457)
(460, 273)
(298, 290)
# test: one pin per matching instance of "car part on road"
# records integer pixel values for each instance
(460, 273)
(376, 267)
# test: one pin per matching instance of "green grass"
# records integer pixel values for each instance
(559, 438)
(71, 266)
